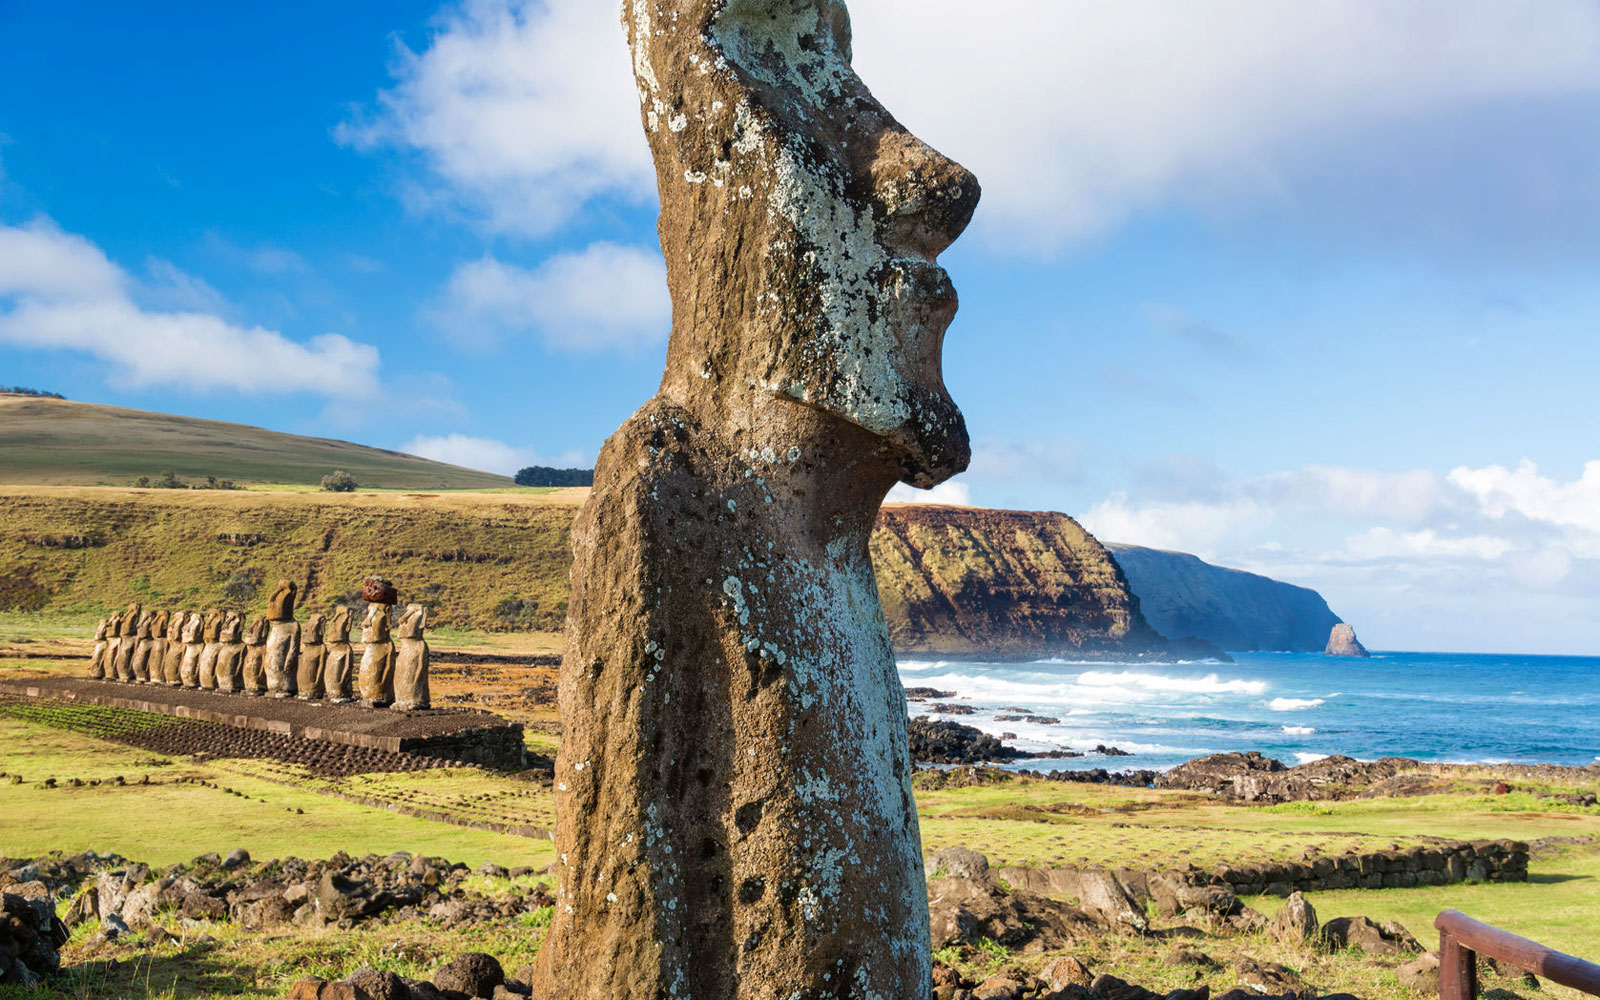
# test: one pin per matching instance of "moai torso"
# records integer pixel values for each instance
(734, 807)
(230, 654)
(411, 661)
(211, 631)
(337, 664)
(376, 680)
(283, 642)
(158, 648)
(97, 659)
(172, 656)
(194, 625)
(129, 643)
(312, 655)
(255, 653)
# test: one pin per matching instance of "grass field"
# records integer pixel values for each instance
(275, 810)
(62, 442)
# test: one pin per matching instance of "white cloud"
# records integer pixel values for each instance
(521, 111)
(950, 494)
(1096, 111)
(602, 297)
(1199, 527)
(484, 454)
(1382, 543)
(58, 291)
(1501, 492)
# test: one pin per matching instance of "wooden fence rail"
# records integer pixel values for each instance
(1462, 939)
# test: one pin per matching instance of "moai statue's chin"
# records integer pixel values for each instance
(312, 655)
(411, 660)
(735, 816)
(282, 658)
(337, 664)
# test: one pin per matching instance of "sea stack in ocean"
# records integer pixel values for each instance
(1342, 641)
(734, 808)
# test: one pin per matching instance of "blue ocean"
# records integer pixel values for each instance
(1446, 707)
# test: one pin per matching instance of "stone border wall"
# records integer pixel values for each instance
(1441, 863)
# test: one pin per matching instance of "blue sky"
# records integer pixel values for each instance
(1306, 289)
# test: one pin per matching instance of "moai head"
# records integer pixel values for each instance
(412, 622)
(256, 634)
(158, 628)
(100, 629)
(192, 624)
(312, 632)
(212, 629)
(232, 626)
(175, 622)
(130, 619)
(375, 627)
(801, 223)
(280, 606)
(339, 625)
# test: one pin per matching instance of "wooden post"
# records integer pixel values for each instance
(1458, 969)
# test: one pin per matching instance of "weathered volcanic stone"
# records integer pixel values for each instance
(254, 675)
(172, 655)
(97, 659)
(230, 654)
(734, 803)
(281, 662)
(313, 654)
(377, 659)
(411, 660)
(140, 662)
(336, 665)
(377, 590)
(193, 636)
(1342, 641)
(130, 641)
(211, 631)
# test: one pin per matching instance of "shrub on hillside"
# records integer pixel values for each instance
(340, 482)
(540, 475)
(167, 480)
(22, 390)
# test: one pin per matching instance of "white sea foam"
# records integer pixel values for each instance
(1209, 684)
(1306, 758)
(1299, 730)
(1294, 704)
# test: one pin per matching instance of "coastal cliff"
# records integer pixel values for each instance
(1182, 595)
(964, 581)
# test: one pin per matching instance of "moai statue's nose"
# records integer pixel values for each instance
(927, 198)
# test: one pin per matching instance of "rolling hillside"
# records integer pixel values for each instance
(65, 443)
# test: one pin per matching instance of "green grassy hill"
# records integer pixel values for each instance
(59, 442)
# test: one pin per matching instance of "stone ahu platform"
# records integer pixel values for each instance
(472, 737)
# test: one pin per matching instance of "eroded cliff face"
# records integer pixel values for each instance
(965, 581)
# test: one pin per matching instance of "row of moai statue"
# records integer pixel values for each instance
(274, 654)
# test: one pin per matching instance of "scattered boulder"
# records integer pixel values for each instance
(30, 934)
(1272, 979)
(379, 984)
(1421, 974)
(959, 862)
(474, 974)
(1296, 922)
(237, 857)
(1388, 939)
(1113, 988)
(962, 909)
(1066, 971)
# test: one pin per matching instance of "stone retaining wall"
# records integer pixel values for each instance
(1437, 863)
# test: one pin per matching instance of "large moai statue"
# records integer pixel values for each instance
(283, 641)
(337, 664)
(139, 662)
(158, 649)
(734, 807)
(172, 655)
(313, 653)
(194, 633)
(411, 660)
(230, 654)
(131, 620)
(254, 676)
(108, 660)
(97, 659)
(376, 679)
(211, 631)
